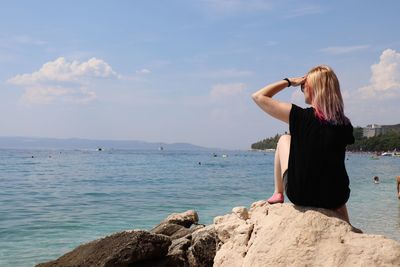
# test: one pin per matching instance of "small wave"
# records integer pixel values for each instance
(96, 194)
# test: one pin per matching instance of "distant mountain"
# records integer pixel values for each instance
(77, 143)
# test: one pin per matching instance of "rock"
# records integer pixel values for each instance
(180, 246)
(203, 248)
(241, 212)
(226, 225)
(264, 235)
(287, 235)
(235, 234)
(178, 250)
(166, 228)
(174, 230)
(120, 249)
(168, 244)
(185, 219)
(176, 256)
(187, 231)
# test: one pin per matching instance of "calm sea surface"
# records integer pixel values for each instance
(51, 201)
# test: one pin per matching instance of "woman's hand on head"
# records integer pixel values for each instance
(297, 80)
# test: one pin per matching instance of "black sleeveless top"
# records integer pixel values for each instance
(316, 172)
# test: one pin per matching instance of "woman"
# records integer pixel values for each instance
(309, 163)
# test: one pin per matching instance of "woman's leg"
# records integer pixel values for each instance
(398, 186)
(281, 161)
(280, 166)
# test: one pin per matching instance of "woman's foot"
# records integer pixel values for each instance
(276, 198)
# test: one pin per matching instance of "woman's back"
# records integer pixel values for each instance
(316, 169)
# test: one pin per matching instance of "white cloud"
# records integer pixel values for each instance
(304, 11)
(63, 80)
(343, 49)
(226, 90)
(143, 71)
(385, 79)
(136, 76)
(377, 102)
(46, 95)
(61, 70)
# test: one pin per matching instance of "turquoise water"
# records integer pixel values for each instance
(55, 200)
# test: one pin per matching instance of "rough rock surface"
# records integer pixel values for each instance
(177, 241)
(287, 235)
(264, 235)
(186, 218)
(120, 249)
(204, 245)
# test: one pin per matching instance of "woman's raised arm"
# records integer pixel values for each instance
(273, 107)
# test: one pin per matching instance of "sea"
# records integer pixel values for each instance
(53, 200)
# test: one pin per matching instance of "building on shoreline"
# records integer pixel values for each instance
(373, 130)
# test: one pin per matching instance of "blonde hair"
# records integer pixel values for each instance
(326, 97)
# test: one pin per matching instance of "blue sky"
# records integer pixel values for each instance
(183, 71)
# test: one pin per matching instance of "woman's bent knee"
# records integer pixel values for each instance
(284, 140)
(283, 151)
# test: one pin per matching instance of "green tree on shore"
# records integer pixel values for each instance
(267, 143)
(389, 141)
(386, 142)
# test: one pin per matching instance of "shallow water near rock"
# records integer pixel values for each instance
(58, 199)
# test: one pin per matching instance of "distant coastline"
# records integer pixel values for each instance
(388, 141)
(11, 142)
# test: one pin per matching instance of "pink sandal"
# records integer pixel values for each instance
(276, 198)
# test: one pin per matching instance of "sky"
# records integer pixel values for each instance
(184, 70)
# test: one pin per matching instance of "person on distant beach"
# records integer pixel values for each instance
(309, 162)
(398, 186)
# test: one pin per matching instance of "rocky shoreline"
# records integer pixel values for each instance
(263, 235)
